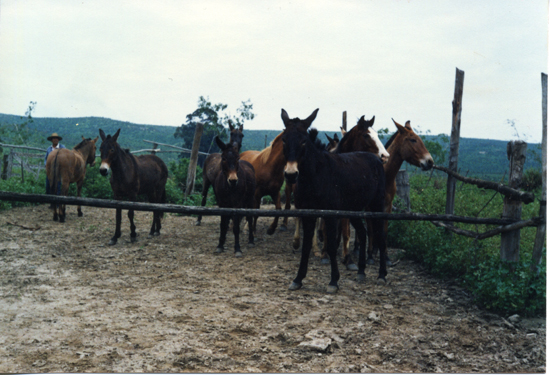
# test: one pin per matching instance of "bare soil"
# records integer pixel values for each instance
(70, 303)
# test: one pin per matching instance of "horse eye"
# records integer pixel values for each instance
(413, 140)
(112, 150)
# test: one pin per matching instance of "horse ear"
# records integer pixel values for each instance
(102, 134)
(343, 131)
(311, 117)
(83, 138)
(284, 116)
(231, 127)
(336, 137)
(408, 125)
(399, 127)
(371, 121)
(116, 135)
(329, 139)
(95, 140)
(241, 128)
(220, 143)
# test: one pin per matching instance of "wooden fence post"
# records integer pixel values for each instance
(541, 229)
(403, 188)
(5, 167)
(154, 148)
(509, 241)
(454, 142)
(345, 120)
(193, 161)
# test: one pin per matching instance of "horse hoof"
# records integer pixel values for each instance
(149, 236)
(294, 286)
(61, 219)
(381, 281)
(197, 223)
(251, 244)
(112, 242)
(283, 228)
(270, 231)
(331, 289)
(325, 261)
(156, 234)
(361, 277)
(219, 250)
(352, 267)
(133, 239)
(80, 214)
(370, 261)
(389, 263)
(296, 245)
(238, 254)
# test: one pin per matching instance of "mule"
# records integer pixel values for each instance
(212, 164)
(234, 187)
(403, 145)
(351, 181)
(268, 165)
(69, 166)
(132, 176)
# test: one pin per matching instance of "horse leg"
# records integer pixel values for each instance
(250, 221)
(236, 233)
(224, 224)
(117, 228)
(309, 227)
(346, 234)
(380, 243)
(370, 251)
(205, 187)
(78, 194)
(315, 244)
(133, 234)
(361, 233)
(331, 228)
(277, 199)
(288, 193)
(62, 207)
(296, 240)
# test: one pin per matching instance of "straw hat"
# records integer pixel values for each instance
(54, 135)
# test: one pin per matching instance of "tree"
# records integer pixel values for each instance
(18, 133)
(215, 123)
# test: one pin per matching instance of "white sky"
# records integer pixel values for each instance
(148, 62)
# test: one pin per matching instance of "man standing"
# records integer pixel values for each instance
(54, 138)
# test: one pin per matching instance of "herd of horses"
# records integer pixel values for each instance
(354, 173)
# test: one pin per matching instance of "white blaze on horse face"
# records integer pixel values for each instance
(104, 167)
(291, 167)
(426, 162)
(382, 153)
(232, 178)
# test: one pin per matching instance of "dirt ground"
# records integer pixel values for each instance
(70, 303)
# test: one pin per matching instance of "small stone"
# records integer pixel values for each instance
(374, 316)
(320, 345)
(514, 318)
(531, 335)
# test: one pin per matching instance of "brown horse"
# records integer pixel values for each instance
(404, 145)
(234, 187)
(132, 176)
(212, 164)
(69, 166)
(269, 166)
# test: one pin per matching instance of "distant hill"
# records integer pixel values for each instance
(480, 157)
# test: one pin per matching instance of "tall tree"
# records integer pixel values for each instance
(215, 123)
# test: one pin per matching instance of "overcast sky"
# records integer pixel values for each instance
(148, 62)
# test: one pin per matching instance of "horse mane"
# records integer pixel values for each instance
(315, 140)
(266, 152)
(389, 142)
(81, 144)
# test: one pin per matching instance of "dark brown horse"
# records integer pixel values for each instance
(69, 166)
(404, 145)
(234, 187)
(132, 176)
(351, 181)
(268, 165)
(212, 164)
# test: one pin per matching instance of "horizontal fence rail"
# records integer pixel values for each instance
(194, 210)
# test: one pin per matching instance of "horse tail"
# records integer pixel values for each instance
(55, 176)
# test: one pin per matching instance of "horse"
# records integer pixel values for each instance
(212, 164)
(403, 145)
(234, 187)
(352, 181)
(69, 166)
(269, 166)
(132, 176)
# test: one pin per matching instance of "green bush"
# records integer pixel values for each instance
(476, 264)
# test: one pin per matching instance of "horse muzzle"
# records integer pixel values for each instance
(427, 164)
(104, 169)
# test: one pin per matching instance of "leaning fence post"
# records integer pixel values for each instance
(454, 141)
(403, 188)
(345, 120)
(541, 229)
(5, 167)
(191, 171)
(509, 241)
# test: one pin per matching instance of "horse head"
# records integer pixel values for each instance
(229, 161)
(332, 142)
(108, 150)
(411, 147)
(236, 134)
(90, 158)
(295, 138)
(362, 137)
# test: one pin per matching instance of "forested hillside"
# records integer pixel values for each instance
(478, 157)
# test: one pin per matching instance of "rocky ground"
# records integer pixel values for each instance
(70, 303)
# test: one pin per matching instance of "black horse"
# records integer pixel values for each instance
(132, 176)
(353, 182)
(234, 187)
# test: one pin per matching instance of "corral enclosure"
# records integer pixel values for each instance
(70, 303)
